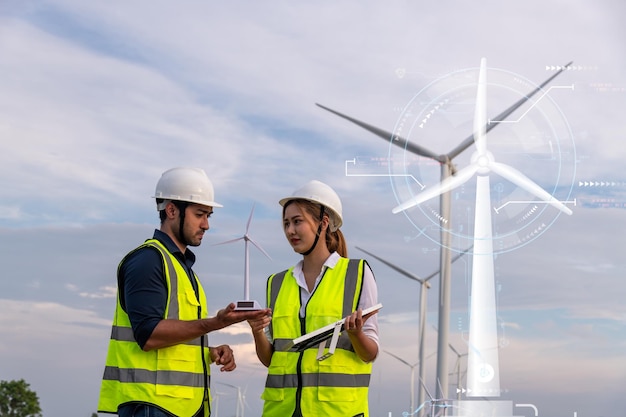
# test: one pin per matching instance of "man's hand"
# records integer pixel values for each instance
(229, 315)
(223, 355)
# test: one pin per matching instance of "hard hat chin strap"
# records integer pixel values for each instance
(317, 235)
(182, 208)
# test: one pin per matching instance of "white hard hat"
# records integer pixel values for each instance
(185, 184)
(318, 192)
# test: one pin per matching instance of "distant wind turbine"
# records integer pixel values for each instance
(457, 366)
(483, 378)
(215, 401)
(447, 169)
(241, 401)
(246, 303)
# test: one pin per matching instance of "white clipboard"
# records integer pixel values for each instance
(320, 336)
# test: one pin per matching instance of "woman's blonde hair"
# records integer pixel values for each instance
(335, 241)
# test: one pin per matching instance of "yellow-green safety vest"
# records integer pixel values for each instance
(175, 379)
(297, 383)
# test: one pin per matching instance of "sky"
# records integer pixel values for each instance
(98, 98)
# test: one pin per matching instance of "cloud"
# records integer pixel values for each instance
(10, 212)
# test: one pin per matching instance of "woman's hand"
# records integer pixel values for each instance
(258, 324)
(354, 322)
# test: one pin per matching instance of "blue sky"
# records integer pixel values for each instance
(98, 99)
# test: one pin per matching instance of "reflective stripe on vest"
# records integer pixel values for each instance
(175, 378)
(164, 377)
(318, 380)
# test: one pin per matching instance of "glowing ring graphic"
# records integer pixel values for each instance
(536, 140)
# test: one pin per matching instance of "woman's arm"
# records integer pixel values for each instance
(264, 349)
(363, 333)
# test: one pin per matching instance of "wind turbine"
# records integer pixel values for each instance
(435, 403)
(412, 406)
(424, 285)
(215, 397)
(447, 169)
(457, 366)
(239, 412)
(246, 303)
(483, 378)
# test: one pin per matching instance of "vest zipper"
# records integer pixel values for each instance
(203, 339)
(297, 412)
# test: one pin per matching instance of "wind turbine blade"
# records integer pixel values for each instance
(434, 274)
(502, 116)
(397, 140)
(462, 253)
(480, 112)
(524, 182)
(426, 389)
(440, 390)
(454, 350)
(250, 218)
(230, 241)
(408, 274)
(446, 185)
(259, 248)
(394, 267)
(398, 358)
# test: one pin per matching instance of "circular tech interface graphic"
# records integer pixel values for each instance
(535, 139)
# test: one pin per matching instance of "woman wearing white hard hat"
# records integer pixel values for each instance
(323, 288)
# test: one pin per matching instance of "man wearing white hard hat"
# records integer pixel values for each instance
(325, 287)
(159, 357)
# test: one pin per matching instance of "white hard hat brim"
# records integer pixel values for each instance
(161, 206)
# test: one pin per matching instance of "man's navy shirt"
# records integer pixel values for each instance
(142, 284)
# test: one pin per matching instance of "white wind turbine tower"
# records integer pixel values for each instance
(246, 303)
(483, 378)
